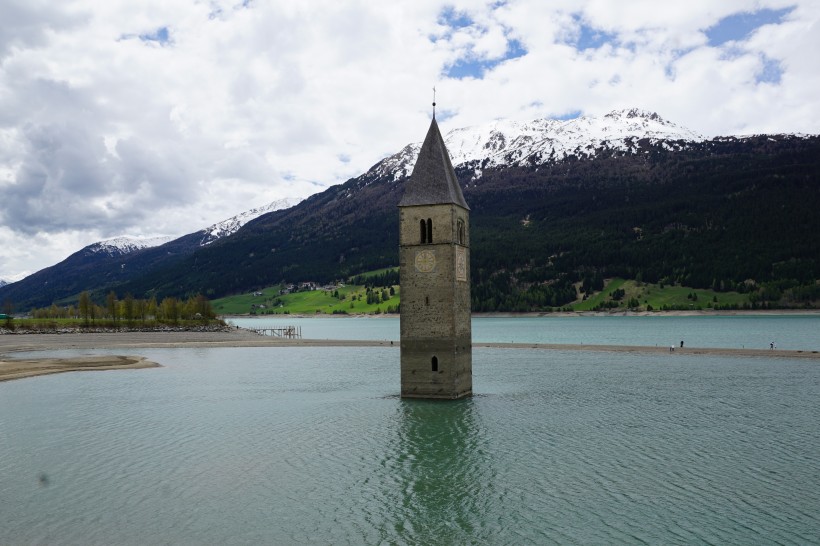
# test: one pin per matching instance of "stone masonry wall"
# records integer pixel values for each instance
(435, 307)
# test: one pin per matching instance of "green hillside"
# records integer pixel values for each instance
(616, 295)
(622, 294)
(344, 299)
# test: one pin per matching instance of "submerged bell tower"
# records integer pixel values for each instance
(434, 266)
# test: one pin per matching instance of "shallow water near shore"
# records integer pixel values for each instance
(313, 445)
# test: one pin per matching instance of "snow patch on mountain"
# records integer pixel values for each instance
(540, 141)
(119, 246)
(232, 225)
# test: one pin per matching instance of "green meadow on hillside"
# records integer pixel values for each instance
(621, 294)
(617, 295)
(346, 299)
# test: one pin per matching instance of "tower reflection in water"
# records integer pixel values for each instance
(442, 473)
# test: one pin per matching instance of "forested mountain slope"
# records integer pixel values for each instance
(715, 214)
(105, 265)
(553, 203)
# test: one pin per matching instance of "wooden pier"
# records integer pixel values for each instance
(287, 332)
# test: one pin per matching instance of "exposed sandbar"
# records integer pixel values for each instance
(244, 338)
(29, 367)
(10, 343)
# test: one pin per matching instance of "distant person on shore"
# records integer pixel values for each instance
(681, 344)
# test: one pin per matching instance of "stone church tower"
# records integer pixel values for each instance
(434, 265)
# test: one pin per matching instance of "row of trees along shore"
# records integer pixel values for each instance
(130, 311)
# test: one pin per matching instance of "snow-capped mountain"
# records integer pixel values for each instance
(118, 257)
(511, 143)
(316, 239)
(125, 245)
(119, 246)
(232, 225)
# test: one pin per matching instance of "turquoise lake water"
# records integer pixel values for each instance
(300, 445)
(795, 332)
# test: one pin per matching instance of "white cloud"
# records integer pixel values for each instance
(105, 132)
(19, 251)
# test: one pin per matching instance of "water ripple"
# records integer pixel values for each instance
(301, 446)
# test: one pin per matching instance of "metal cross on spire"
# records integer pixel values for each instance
(434, 102)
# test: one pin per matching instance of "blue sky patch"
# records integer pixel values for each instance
(514, 50)
(589, 37)
(468, 68)
(443, 115)
(572, 114)
(472, 67)
(161, 35)
(771, 73)
(454, 19)
(740, 26)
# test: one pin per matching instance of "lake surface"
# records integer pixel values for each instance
(795, 332)
(297, 445)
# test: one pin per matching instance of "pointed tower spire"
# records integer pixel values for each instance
(433, 181)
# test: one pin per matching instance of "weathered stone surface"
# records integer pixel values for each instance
(434, 255)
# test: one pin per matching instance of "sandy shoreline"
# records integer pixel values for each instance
(30, 367)
(13, 368)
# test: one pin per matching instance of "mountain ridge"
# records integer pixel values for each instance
(118, 246)
(519, 143)
(113, 261)
(124, 244)
(228, 227)
(714, 213)
(351, 225)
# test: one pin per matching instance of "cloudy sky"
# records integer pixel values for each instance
(161, 117)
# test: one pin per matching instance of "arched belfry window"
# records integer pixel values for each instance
(434, 363)
(423, 230)
(429, 230)
(460, 231)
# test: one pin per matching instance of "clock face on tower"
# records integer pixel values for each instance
(425, 261)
